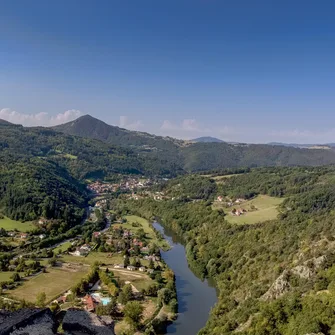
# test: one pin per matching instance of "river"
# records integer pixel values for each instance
(195, 297)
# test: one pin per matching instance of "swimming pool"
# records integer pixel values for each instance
(105, 301)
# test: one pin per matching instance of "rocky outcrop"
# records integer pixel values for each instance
(278, 288)
(27, 322)
(89, 323)
(302, 271)
(281, 285)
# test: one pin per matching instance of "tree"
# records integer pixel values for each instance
(112, 289)
(151, 264)
(15, 277)
(41, 299)
(133, 312)
(126, 294)
(52, 261)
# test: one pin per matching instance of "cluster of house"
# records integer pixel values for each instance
(229, 202)
(127, 184)
(100, 188)
(133, 268)
(147, 194)
(23, 236)
(238, 211)
(83, 250)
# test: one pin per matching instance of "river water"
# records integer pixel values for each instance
(195, 297)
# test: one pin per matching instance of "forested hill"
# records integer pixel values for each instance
(90, 127)
(274, 264)
(190, 156)
(41, 171)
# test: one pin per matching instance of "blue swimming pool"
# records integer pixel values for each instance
(105, 301)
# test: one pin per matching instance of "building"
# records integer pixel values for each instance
(131, 268)
(90, 303)
(119, 266)
(96, 234)
(142, 269)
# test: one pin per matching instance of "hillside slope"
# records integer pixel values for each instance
(183, 155)
(275, 276)
(90, 127)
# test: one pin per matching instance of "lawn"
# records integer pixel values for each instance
(10, 224)
(267, 209)
(139, 279)
(93, 257)
(63, 247)
(5, 276)
(53, 283)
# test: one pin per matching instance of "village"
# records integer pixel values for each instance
(101, 271)
(124, 185)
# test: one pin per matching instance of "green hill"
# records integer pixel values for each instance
(276, 274)
(190, 156)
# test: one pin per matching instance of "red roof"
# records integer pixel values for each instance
(90, 303)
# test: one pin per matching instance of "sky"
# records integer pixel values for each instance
(250, 71)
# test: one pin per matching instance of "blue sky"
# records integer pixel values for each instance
(252, 71)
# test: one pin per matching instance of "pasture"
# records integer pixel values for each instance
(266, 208)
(9, 224)
(101, 257)
(56, 281)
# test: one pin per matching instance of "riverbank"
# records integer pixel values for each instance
(195, 297)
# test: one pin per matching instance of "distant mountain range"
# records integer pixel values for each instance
(207, 139)
(199, 154)
(308, 146)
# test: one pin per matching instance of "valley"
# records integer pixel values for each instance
(76, 234)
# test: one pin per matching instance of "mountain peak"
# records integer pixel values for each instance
(207, 139)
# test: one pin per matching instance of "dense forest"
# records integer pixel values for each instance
(42, 172)
(275, 277)
(191, 156)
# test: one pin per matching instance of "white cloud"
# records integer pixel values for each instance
(125, 122)
(38, 119)
(67, 116)
(186, 125)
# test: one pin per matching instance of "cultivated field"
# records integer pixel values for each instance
(266, 209)
(10, 224)
(53, 283)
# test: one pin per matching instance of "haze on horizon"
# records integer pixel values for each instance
(260, 71)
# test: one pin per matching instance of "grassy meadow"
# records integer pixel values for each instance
(9, 224)
(53, 283)
(266, 209)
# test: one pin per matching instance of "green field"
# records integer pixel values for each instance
(266, 209)
(53, 283)
(5, 276)
(63, 247)
(93, 257)
(10, 224)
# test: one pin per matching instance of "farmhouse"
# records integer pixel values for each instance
(90, 303)
(131, 268)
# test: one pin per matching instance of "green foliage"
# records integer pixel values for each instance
(245, 260)
(41, 299)
(133, 312)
